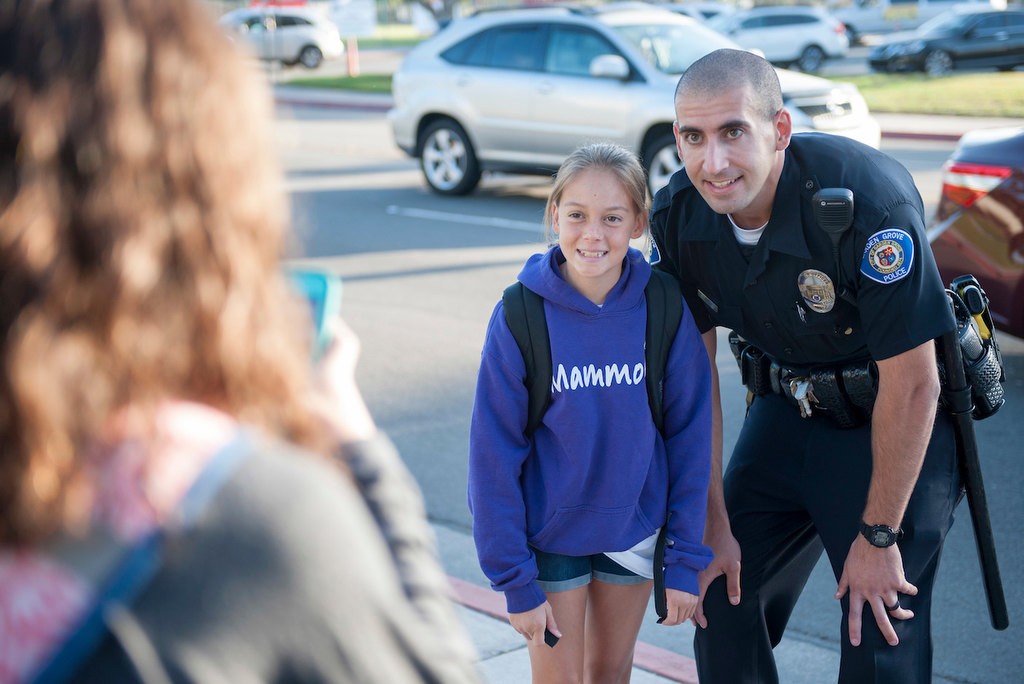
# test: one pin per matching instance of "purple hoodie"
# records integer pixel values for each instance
(596, 476)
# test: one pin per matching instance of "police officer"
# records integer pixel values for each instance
(842, 448)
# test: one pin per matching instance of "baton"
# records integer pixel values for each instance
(958, 394)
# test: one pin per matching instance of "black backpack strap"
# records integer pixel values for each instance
(524, 314)
(664, 313)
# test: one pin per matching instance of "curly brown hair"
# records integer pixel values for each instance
(142, 224)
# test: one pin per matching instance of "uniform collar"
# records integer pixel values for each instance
(785, 231)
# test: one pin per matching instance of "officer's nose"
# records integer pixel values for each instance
(716, 158)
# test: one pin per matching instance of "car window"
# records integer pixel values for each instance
(988, 26)
(571, 50)
(291, 20)
(503, 47)
(789, 20)
(673, 47)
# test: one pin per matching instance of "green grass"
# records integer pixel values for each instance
(976, 94)
(367, 83)
(391, 36)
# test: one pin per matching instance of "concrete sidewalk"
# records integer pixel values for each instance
(906, 126)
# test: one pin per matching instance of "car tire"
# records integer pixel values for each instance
(811, 59)
(447, 159)
(660, 159)
(938, 63)
(310, 57)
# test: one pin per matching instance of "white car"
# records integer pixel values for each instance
(518, 90)
(285, 34)
(798, 36)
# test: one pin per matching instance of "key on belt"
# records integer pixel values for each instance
(803, 392)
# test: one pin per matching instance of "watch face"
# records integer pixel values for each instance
(881, 537)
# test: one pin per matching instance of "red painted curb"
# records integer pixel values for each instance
(653, 659)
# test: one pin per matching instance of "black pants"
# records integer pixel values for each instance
(794, 487)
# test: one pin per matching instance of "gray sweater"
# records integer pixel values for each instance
(296, 573)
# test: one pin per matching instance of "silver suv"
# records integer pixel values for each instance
(519, 90)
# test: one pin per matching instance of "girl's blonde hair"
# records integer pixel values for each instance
(607, 156)
(142, 223)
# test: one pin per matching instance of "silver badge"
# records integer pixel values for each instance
(817, 290)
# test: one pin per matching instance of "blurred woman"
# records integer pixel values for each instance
(149, 342)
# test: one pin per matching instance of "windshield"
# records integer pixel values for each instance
(671, 48)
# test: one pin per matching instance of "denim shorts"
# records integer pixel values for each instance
(562, 573)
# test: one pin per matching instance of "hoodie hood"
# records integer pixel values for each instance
(542, 275)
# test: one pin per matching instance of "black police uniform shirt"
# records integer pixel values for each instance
(785, 298)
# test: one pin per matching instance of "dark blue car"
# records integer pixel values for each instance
(962, 38)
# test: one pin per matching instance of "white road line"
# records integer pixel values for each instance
(449, 217)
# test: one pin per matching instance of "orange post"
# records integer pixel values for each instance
(352, 56)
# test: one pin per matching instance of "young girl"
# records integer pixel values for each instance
(565, 519)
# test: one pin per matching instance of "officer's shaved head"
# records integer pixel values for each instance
(727, 69)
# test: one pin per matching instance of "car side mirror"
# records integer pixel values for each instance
(610, 66)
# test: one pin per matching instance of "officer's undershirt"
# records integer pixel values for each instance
(747, 239)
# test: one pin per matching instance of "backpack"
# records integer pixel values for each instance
(524, 314)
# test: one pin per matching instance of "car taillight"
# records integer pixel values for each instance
(966, 183)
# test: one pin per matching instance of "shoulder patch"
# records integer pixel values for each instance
(888, 256)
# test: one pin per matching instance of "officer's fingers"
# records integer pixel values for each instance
(883, 622)
(843, 586)
(732, 579)
(856, 606)
(908, 589)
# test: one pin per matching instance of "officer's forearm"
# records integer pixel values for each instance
(904, 412)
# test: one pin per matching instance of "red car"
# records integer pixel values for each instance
(979, 225)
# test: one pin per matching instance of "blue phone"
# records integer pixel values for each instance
(322, 290)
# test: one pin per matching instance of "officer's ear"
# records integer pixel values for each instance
(783, 129)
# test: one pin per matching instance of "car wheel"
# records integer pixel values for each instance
(447, 158)
(938, 63)
(811, 59)
(661, 160)
(310, 57)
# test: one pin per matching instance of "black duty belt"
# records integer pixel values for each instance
(844, 394)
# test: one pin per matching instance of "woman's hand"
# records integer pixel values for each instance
(338, 399)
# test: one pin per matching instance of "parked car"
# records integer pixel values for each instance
(961, 38)
(800, 36)
(519, 90)
(701, 11)
(291, 35)
(864, 17)
(979, 224)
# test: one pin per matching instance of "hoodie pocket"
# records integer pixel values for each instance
(585, 530)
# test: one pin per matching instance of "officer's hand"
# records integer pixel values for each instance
(680, 606)
(726, 562)
(532, 623)
(874, 576)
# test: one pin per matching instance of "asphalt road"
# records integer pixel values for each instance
(422, 274)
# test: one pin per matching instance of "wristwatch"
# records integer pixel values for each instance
(881, 536)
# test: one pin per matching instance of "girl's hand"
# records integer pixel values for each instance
(680, 606)
(532, 623)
